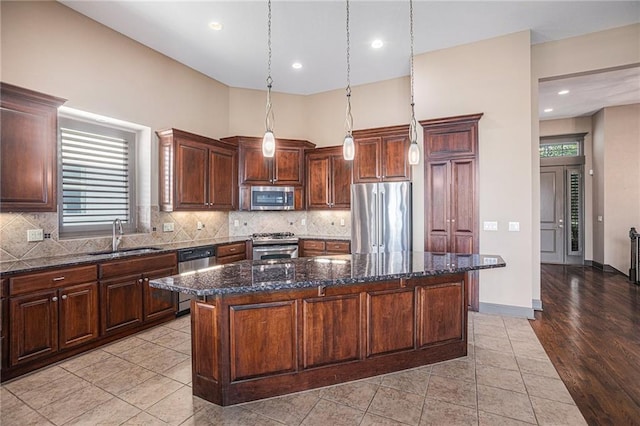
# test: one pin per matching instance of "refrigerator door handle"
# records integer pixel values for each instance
(382, 220)
(374, 225)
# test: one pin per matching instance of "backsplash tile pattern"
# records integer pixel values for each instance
(14, 226)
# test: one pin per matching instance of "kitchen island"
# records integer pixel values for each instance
(266, 328)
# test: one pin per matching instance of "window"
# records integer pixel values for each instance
(559, 149)
(96, 170)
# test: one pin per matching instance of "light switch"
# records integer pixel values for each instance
(341, 222)
(514, 226)
(236, 223)
(599, 218)
(490, 226)
(200, 225)
(303, 222)
(35, 235)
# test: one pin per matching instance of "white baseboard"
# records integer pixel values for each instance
(537, 304)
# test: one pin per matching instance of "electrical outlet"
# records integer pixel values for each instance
(490, 226)
(200, 225)
(303, 222)
(236, 223)
(35, 235)
(167, 227)
(514, 226)
(341, 222)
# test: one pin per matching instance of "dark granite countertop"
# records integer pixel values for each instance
(268, 275)
(9, 268)
(325, 237)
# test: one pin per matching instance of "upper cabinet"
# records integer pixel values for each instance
(328, 184)
(196, 173)
(28, 151)
(286, 168)
(381, 155)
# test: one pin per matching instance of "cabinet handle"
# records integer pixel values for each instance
(139, 280)
(64, 297)
(232, 249)
(146, 280)
(54, 299)
(453, 221)
(58, 278)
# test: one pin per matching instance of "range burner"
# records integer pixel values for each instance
(272, 235)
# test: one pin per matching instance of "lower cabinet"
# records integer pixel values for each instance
(51, 315)
(127, 299)
(46, 317)
(229, 253)
(319, 247)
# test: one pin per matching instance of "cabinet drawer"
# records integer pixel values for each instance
(137, 265)
(52, 279)
(313, 245)
(230, 250)
(231, 259)
(338, 247)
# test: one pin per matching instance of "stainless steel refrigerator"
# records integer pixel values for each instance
(380, 217)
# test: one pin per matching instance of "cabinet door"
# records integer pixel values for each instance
(34, 326)
(463, 192)
(288, 166)
(79, 314)
(318, 169)
(28, 153)
(158, 302)
(254, 168)
(191, 175)
(366, 164)
(121, 303)
(390, 310)
(437, 214)
(340, 182)
(223, 179)
(395, 158)
(441, 313)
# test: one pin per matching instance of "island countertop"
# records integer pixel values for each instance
(283, 274)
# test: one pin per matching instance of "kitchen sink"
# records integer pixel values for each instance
(127, 251)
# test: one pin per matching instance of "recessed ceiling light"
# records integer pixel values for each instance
(377, 44)
(296, 65)
(216, 26)
(563, 92)
(548, 110)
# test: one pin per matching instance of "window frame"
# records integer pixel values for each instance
(107, 129)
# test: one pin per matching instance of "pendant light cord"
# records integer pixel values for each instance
(349, 117)
(413, 132)
(269, 117)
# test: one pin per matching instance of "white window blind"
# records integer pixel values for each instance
(97, 177)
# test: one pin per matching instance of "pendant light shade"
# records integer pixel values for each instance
(414, 150)
(348, 148)
(268, 144)
(269, 140)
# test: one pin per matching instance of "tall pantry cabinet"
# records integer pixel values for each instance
(451, 189)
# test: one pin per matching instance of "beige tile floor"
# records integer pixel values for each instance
(507, 379)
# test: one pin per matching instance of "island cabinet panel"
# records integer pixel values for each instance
(386, 311)
(331, 330)
(440, 313)
(263, 339)
(205, 341)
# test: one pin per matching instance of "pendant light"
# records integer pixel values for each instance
(414, 150)
(348, 147)
(269, 140)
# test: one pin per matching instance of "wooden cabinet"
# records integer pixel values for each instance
(196, 173)
(451, 189)
(328, 183)
(4, 322)
(229, 253)
(51, 311)
(28, 152)
(317, 247)
(285, 168)
(127, 298)
(381, 155)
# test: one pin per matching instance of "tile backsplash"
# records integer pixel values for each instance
(14, 226)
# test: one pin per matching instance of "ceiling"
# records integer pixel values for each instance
(314, 34)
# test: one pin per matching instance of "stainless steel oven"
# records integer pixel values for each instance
(281, 245)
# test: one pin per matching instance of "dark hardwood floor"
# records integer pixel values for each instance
(590, 328)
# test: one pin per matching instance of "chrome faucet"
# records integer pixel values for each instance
(115, 241)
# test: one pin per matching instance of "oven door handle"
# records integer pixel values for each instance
(274, 249)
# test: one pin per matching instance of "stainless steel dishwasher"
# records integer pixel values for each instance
(192, 259)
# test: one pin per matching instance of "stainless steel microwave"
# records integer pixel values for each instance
(272, 198)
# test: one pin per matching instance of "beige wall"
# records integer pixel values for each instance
(598, 186)
(621, 182)
(571, 126)
(491, 77)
